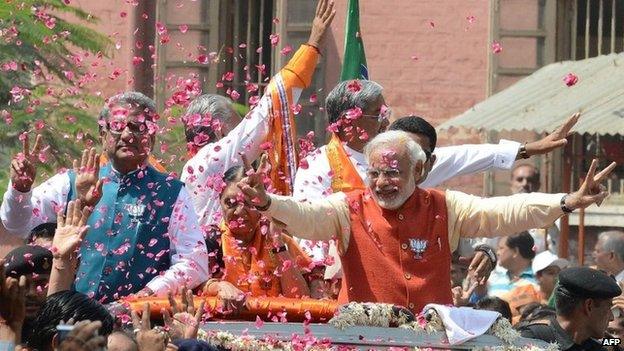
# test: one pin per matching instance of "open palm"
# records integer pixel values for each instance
(71, 229)
(88, 182)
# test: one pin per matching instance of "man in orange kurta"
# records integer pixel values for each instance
(395, 240)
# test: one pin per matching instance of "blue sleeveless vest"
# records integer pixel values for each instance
(128, 242)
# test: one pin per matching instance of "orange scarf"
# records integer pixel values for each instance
(345, 177)
(258, 274)
(152, 161)
(255, 276)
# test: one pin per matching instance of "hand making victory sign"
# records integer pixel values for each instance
(252, 185)
(591, 191)
(23, 170)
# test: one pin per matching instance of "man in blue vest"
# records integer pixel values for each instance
(143, 238)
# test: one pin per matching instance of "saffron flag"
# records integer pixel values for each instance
(354, 61)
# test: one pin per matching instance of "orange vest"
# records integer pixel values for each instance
(379, 264)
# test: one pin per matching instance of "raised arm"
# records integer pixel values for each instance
(452, 161)
(474, 216)
(324, 219)
(71, 229)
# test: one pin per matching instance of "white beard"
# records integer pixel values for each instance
(398, 199)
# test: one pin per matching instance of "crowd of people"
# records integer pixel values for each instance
(358, 219)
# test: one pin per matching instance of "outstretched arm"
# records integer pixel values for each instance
(324, 219)
(505, 215)
(453, 161)
(70, 231)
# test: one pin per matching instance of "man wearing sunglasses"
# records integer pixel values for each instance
(143, 236)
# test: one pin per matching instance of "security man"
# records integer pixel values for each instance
(583, 302)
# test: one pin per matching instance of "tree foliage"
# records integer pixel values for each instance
(42, 45)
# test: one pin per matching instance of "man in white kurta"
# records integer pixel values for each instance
(203, 172)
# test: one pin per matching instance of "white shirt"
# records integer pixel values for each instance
(203, 173)
(20, 212)
(314, 182)
(620, 277)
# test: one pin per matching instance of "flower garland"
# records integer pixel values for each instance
(365, 314)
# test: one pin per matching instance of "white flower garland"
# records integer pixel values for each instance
(373, 315)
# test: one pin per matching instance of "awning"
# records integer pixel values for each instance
(542, 101)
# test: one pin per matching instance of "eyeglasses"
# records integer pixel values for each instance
(390, 173)
(383, 115)
(117, 128)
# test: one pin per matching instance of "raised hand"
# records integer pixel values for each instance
(252, 185)
(70, 229)
(146, 337)
(553, 140)
(480, 267)
(23, 169)
(591, 191)
(186, 319)
(461, 297)
(88, 182)
(322, 19)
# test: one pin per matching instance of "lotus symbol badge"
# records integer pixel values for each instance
(418, 246)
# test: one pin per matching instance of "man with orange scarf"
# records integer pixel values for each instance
(395, 239)
(270, 125)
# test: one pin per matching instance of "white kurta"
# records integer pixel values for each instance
(203, 173)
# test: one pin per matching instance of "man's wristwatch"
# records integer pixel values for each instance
(565, 208)
(522, 152)
(265, 207)
(489, 252)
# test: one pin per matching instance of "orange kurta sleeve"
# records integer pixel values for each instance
(285, 89)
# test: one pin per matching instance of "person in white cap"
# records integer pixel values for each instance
(546, 267)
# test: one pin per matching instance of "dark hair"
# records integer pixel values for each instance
(565, 302)
(44, 230)
(62, 306)
(524, 243)
(416, 125)
(492, 303)
(535, 311)
(233, 174)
